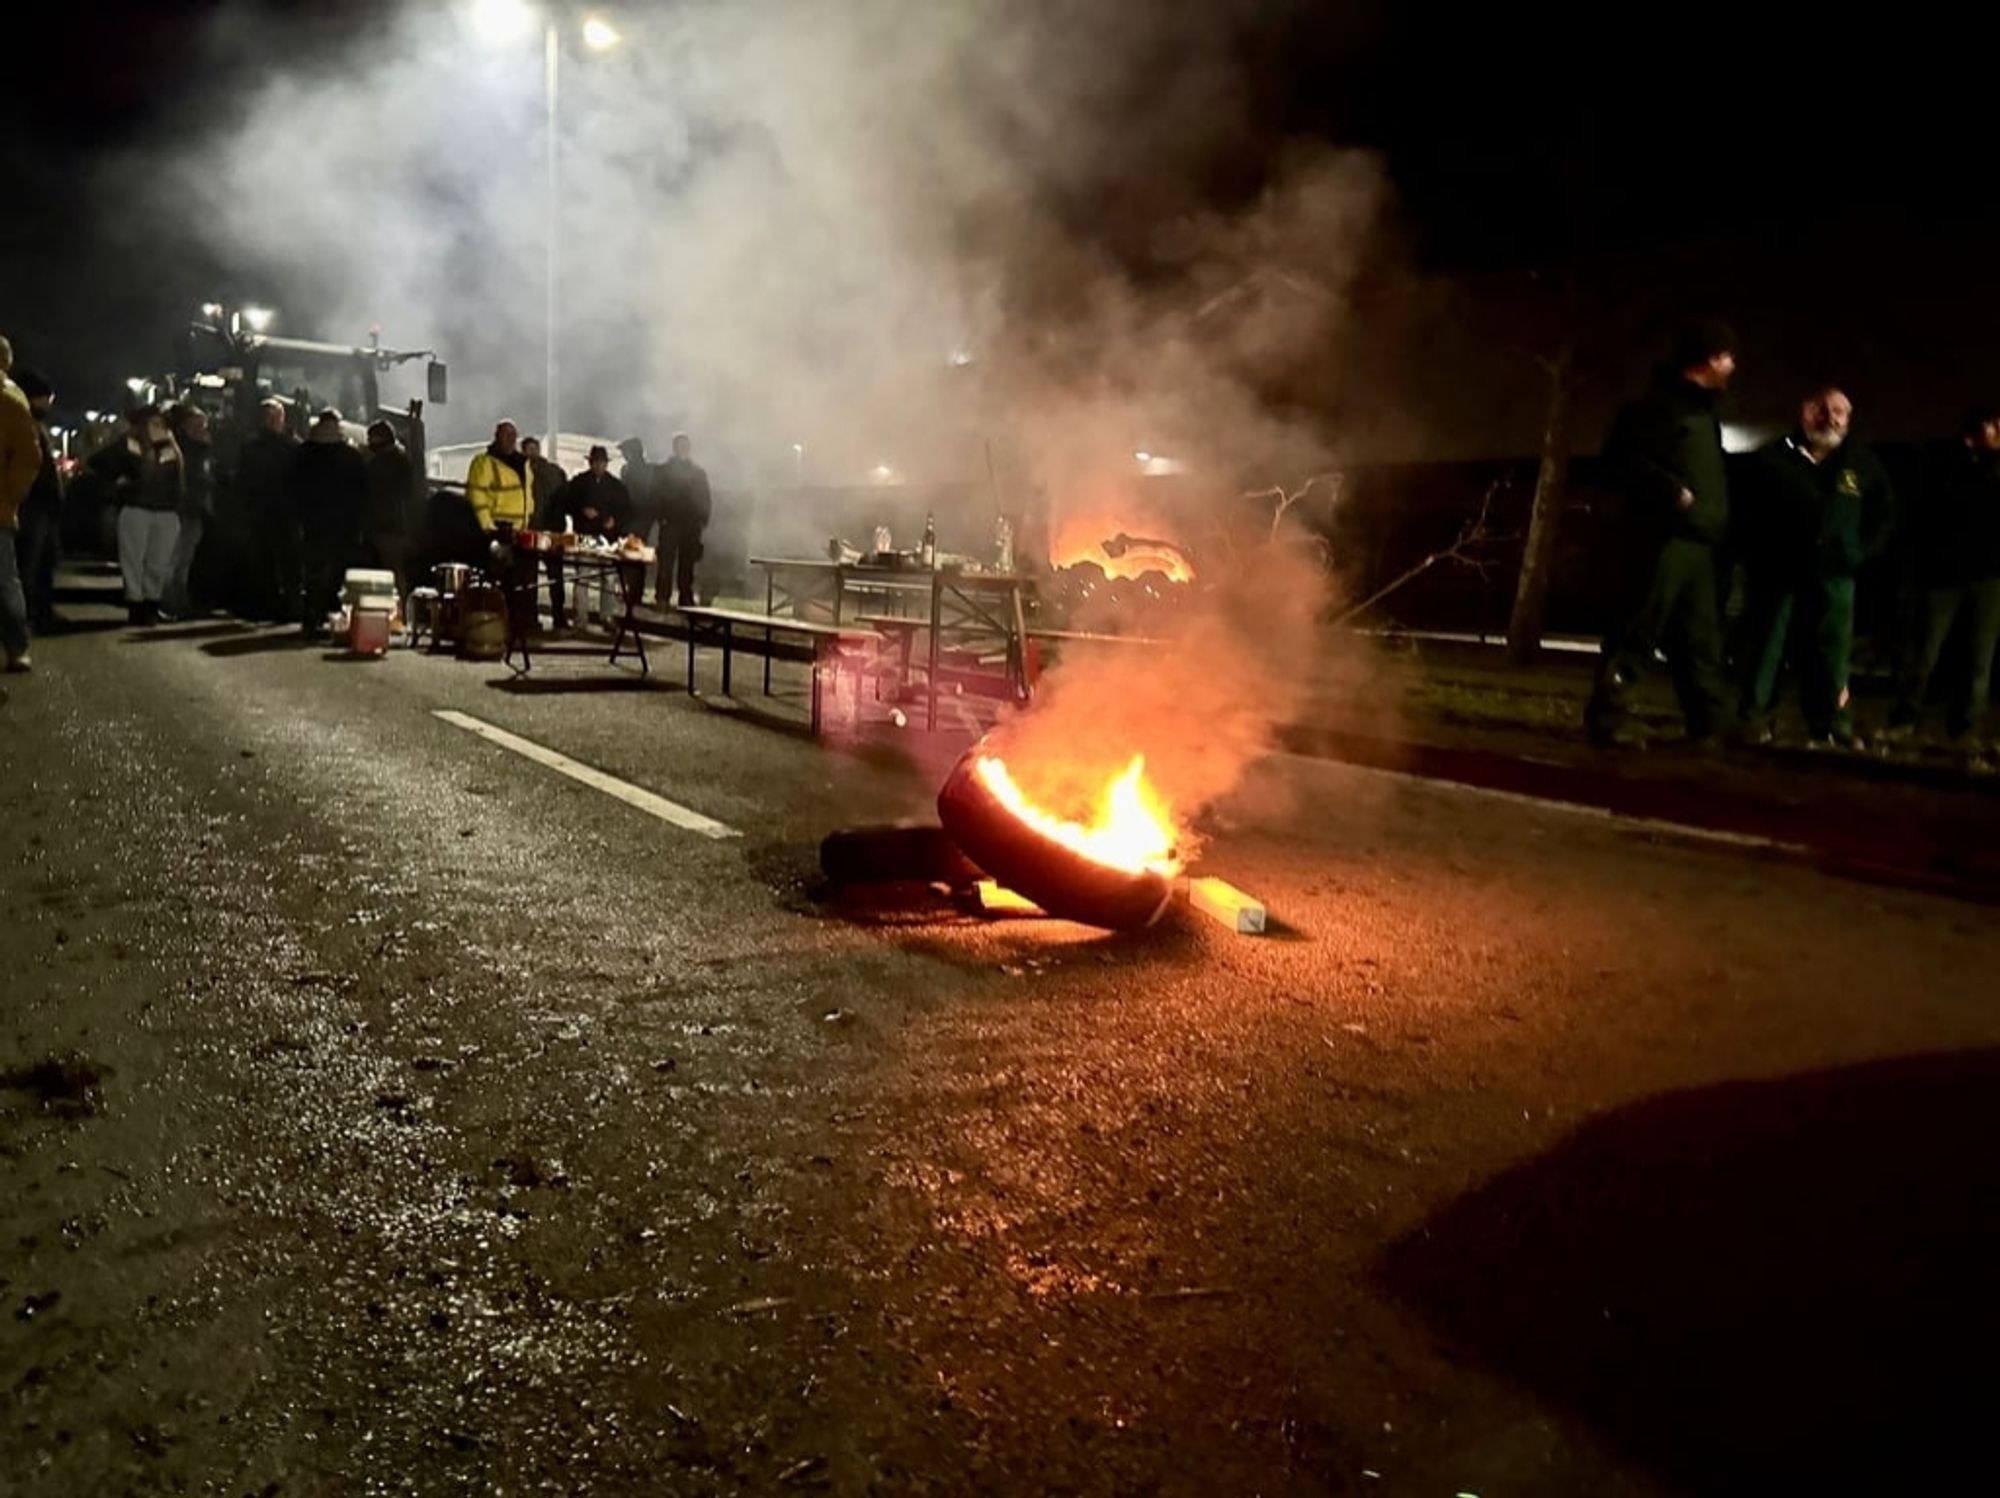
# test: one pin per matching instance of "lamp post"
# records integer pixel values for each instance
(507, 20)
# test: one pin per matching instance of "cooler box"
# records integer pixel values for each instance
(365, 584)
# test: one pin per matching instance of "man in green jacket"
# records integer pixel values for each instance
(1811, 508)
(1665, 460)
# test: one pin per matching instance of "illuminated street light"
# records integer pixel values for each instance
(883, 473)
(499, 22)
(259, 318)
(136, 385)
(1143, 457)
(93, 416)
(502, 21)
(960, 358)
(211, 310)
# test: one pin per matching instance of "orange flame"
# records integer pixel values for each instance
(1132, 829)
(1083, 538)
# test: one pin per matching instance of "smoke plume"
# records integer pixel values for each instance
(1000, 244)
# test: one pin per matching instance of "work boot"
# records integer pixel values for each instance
(20, 664)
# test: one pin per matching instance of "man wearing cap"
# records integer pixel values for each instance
(1665, 460)
(596, 503)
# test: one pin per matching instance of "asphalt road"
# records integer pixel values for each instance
(383, 1112)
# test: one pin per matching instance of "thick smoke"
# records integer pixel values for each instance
(1000, 245)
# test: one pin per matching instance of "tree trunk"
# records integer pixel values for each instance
(1531, 593)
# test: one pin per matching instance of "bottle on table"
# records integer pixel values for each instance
(930, 540)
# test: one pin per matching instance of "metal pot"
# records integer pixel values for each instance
(452, 577)
(1060, 880)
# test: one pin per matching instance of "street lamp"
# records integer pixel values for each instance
(502, 21)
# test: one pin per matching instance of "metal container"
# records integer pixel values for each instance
(1059, 879)
(452, 577)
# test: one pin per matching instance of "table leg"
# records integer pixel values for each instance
(728, 645)
(937, 598)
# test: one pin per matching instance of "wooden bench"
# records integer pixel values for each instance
(765, 635)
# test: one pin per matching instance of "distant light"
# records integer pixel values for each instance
(1143, 457)
(135, 385)
(259, 318)
(211, 309)
(599, 34)
(960, 358)
(502, 21)
(883, 472)
(1743, 439)
(93, 416)
(799, 448)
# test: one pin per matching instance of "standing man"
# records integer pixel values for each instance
(545, 487)
(263, 495)
(1814, 506)
(20, 462)
(190, 428)
(385, 510)
(41, 512)
(596, 503)
(1957, 544)
(145, 478)
(1665, 459)
(497, 482)
(330, 480)
(684, 511)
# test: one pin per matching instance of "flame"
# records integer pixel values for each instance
(1085, 538)
(1132, 829)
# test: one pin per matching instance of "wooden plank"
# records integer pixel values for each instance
(995, 900)
(1226, 904)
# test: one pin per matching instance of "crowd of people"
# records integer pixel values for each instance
(1796, 520)
(1786, 530)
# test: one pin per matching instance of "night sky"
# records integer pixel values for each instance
(1829, 188)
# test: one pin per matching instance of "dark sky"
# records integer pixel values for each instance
(1829, 187)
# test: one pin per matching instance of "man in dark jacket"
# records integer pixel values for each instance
(385, 508)
(190, 429)
(1811, 508)
(1665, 458)
(330, 483)
(41, 511)
(684, 512)
(1956, 539)
(263, 495)
(594, 503)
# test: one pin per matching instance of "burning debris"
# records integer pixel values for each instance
(1112, 864)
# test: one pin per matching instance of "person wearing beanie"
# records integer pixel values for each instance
(1665, 461)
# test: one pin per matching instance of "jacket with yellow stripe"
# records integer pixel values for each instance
(498, 490)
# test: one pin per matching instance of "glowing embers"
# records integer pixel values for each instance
(1110, 862)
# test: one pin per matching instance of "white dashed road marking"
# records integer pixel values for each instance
(611, 785)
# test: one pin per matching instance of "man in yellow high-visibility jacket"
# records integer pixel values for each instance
(497, 482)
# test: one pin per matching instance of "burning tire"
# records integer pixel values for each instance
(1062, 867)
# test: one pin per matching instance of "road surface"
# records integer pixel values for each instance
(385, 1111)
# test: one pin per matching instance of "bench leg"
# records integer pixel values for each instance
(728, 642)
(767, 660)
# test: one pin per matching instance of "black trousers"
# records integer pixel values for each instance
(679, 550)
(326, 549)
